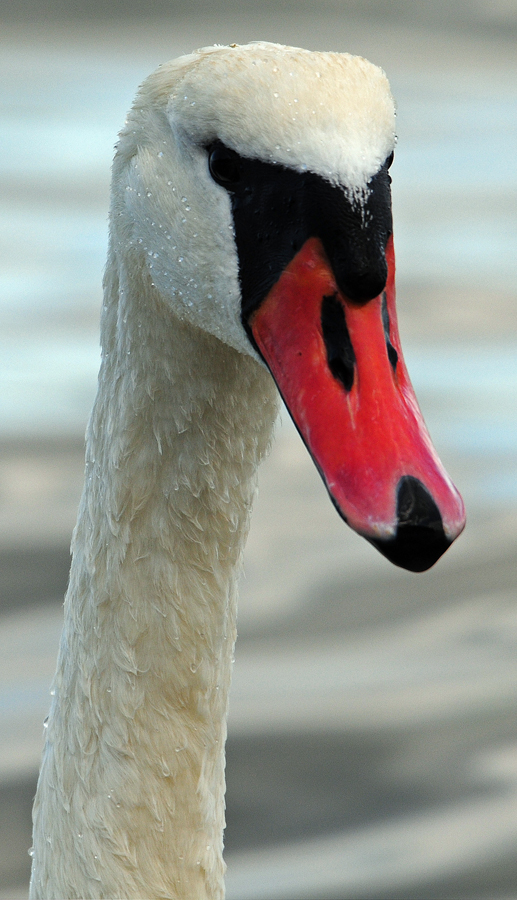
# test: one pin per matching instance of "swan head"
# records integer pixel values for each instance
(327, 113)
(251, 184)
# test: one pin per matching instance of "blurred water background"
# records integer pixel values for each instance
(373, 729)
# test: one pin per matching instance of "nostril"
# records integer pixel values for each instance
(420, 539)
(340, 352)
(392, 353)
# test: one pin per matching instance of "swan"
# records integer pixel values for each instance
(250, 255)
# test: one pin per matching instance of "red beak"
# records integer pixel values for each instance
(340, 370)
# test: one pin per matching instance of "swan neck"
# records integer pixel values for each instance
(131, 794)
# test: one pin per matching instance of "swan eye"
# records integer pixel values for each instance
(224, 165)
(389, 159)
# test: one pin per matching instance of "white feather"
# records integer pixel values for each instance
(130, 800)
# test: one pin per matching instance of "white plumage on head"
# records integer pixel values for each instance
(329, 113)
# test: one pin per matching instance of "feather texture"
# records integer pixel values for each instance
(130, 801)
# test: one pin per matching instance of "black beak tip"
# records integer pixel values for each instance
(414, 548)
(420, 539)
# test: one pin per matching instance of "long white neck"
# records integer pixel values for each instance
(130, 800)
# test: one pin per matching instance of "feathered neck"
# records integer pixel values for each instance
(130, 801)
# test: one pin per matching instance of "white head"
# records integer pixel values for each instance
(328, 113)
